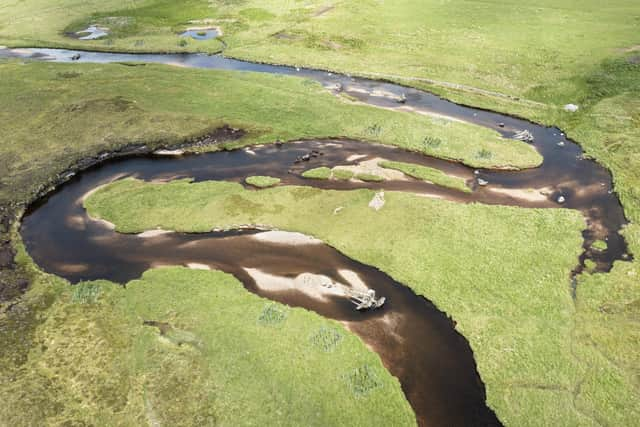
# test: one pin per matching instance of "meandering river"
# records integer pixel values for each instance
(417, 343)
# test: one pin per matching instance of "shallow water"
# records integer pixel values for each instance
(203, 34)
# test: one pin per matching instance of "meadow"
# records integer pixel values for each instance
(546, 358)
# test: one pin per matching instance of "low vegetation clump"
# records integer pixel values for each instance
(262, 181)
(590, 265)
(432, 142)
(342, 174)
(484, 154)
(322, 172)
(326, 338)
(363, 380)
(272, 314)
(85, 293)
(369, 177)
(426, 173)
(600, 245)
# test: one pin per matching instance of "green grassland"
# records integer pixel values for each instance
(522, 58)
(52, 115)
(425, 173)
(134, 26)
(487, 266)
(210, 354)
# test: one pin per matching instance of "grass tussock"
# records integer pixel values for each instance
(85, 293)
(262, 181)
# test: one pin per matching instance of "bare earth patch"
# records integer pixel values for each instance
(316, 286)
(169, 152)
(528, 195)
(198, 266)
(286, 238)
(153, 233)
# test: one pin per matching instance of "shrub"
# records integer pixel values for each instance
(326, 339)
(272, 314)
(431, 142)
(600, 245)
(374, 130)
(362, 380)
(85, 293)
(484, 154)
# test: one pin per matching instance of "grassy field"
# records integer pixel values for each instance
(183, 347)
(56, 108)
(134, 25)
(518, 57)
(542, 51)
(487, 266)
(53, 116)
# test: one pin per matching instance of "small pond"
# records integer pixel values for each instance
(201, 33)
